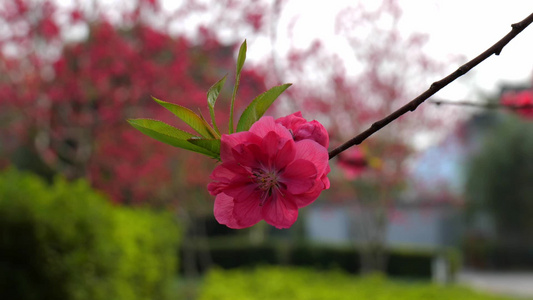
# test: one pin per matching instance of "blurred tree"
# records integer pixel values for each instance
(371, 184)
(65, 97)
(69, 108)
(499, 180)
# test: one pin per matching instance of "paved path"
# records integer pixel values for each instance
(518, 284)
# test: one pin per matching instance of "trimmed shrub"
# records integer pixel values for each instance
(66, 241)
(229, 253)
(410, 264)
(249, 256)
(323, 257)
(148, 253)
(306, 284)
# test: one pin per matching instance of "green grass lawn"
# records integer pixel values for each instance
(306, 284)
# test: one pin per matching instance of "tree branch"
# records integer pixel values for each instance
(435, 87)
(482, 105)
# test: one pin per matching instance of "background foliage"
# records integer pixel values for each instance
(499, 179)
(64, 102)
(66, 241)
(305, 284)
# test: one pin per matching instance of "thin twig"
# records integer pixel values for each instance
(435, 87)
(482, 105)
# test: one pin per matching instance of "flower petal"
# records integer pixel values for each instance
(325, 179)
(270, 145)
(278, 152)
(242, 191)
(248, 155)
(280, 212)
(226, 174)
(314, 131)
(228, 142)
(266, 124)
(299, 176)
(223, 211)
(308, 197)
(313, 152)
(292, 122)
(227, 171)
(247, 213)
(284, 156)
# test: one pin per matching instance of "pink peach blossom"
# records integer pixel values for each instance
(301, 129)
(265, 174)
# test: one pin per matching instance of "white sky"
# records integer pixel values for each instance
(455, 27)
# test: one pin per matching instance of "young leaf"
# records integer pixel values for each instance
(210, 145)
(240, 62)
(212, 95)
(189, 117)
(258, 107)
(241, 57)
(169, 135)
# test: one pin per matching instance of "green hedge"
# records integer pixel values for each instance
(229, 253)
(305, 284)
(66, 241)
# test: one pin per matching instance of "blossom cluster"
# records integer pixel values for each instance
(270, 171)
(269, 168)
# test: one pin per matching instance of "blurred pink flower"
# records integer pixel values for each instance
(522, 99)
(352, 163)
(267, 174)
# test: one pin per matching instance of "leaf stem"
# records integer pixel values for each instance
(240, 62)
(434, 87)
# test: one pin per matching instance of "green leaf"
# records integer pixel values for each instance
(170, 135)
(259, 106)
(240, 62)
(212, 95)
(241, 57)
(208, 144)
(188, 116)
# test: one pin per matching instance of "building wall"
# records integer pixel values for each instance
(412, 225)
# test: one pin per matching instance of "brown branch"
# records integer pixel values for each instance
(482, 105)
(435, 87)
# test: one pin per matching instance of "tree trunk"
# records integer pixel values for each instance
(371, 228)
